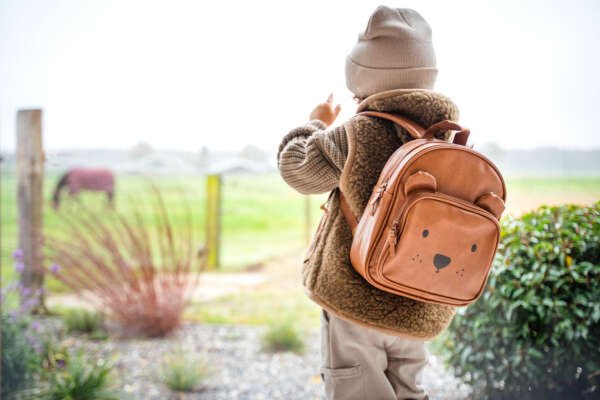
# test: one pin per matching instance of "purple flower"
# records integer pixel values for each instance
(38, 347)
(34, 342)
(19, 266)
(54, 268)
(18, 254)
(35, 326)
(25, 292)
(29, 304)
(30, 339)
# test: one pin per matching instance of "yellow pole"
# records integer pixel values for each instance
(213, 220)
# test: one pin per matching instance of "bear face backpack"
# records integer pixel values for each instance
(430, 230)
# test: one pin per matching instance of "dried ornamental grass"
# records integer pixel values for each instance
(142, 276)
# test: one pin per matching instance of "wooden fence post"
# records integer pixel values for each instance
(30, 178)
(213, 220)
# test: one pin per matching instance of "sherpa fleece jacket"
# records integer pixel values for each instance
(313, 159)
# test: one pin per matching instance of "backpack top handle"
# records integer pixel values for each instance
(460, 137)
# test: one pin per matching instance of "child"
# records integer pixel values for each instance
(372, 341)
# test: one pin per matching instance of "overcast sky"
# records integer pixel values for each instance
(223, 74)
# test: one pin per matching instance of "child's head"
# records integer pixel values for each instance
(394, 52)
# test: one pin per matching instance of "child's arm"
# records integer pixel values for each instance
(311, 158)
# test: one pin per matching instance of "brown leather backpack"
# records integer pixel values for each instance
(430, 230)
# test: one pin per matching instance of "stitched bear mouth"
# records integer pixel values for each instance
(440, 261)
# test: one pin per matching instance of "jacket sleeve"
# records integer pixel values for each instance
(311, 158)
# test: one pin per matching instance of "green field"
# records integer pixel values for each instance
(261, 217)
(262, 220)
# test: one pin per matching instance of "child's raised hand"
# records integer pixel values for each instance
(326, 112)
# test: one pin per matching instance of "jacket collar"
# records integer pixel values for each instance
(424, 107)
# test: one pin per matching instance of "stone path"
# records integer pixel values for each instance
(240, 369)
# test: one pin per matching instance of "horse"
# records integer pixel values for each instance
(77, 179)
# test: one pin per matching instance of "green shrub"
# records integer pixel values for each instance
(182, 373)
(81, 380)
(19, 358)
(82, 320)
(535, 332)
(282, 335)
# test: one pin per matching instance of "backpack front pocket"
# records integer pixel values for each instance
(438, 247)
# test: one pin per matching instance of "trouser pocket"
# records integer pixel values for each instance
(343, 383)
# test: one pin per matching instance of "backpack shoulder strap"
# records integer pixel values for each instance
(348, 214)
(415, 130)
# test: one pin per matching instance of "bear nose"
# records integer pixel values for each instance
(440, 261)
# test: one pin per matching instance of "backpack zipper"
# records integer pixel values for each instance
(393, 235)
(380, 192)
(383, 185)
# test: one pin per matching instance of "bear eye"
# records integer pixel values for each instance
(425, 233)
(473, 248)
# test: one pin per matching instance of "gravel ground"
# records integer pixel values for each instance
(239, 367)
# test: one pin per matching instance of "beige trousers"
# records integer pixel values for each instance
(358, 363)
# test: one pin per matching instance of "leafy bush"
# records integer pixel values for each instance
(283, 335)
(535, 333)
(81, 380)
(142, 274)
(19, 358)
(82, 320)
(21, 345)
(182, 373)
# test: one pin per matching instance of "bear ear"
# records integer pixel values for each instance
(420, 180)
(492, 203)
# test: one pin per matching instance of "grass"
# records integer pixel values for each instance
(256, 308)
(561, 186)
(527, 193)
(183, 373)
(262, 219)
(283, 335)
(82, 379)
(84, 321)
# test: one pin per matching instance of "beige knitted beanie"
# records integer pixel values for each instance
(394, 52)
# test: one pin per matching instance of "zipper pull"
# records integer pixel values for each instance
(380, 192)
(393, 235)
